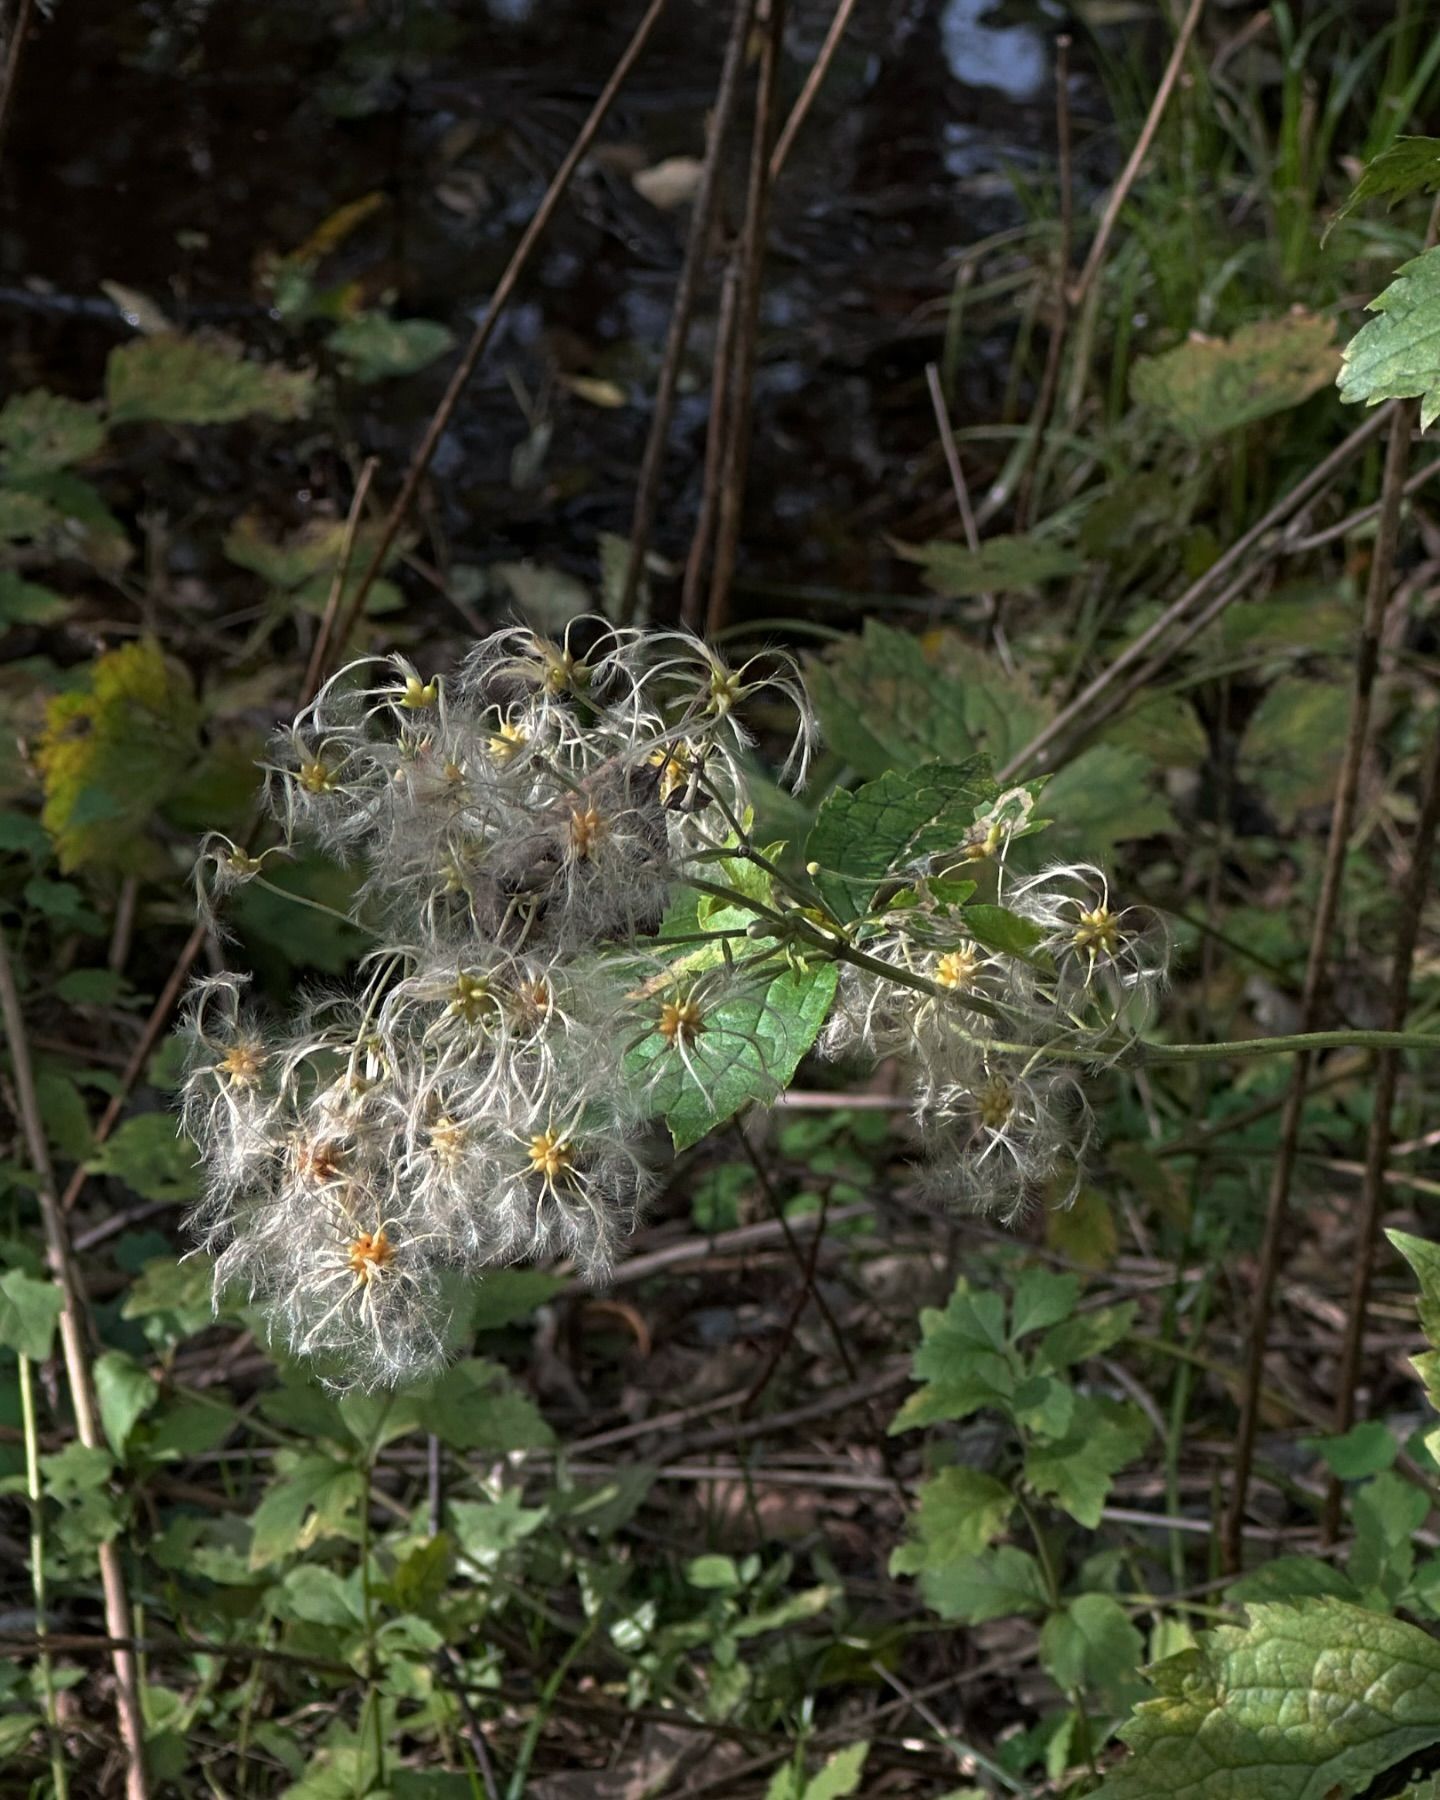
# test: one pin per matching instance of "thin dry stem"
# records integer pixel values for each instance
(73, 1327)
(1367, 659)
(814, 81)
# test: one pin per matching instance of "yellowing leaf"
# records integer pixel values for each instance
(200, 381)
(111, 754)
(1208, 386)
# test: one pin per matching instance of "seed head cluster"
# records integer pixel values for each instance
(993, 1035)
(516, 837)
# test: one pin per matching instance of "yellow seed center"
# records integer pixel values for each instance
(419, 693)
(586, 830)
(447, 1140)
(996, 1102)
(316, 777)
(551, 1156)
(1098, 932)
(680, 1021)
(369, 1253)
(471, 998)
(508, 741)
(242, 1063)
(956, 968)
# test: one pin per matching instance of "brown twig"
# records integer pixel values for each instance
(961, 490)
(797, 1307)
(1300, 495)
(504, 289)
(1050, 379)
(1367, 659)
(814, 81)
(73, 1326)
(315, 668)
(691, 605)
(1377, 1148)
(1120, 193)
(14, 54)
(701, 222)
(747, 327)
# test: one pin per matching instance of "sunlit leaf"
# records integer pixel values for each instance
(1396, 356)
(112, 753)
(961, 1510)
(1309, 1701)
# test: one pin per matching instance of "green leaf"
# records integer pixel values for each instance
(1086, 1335)
(963, 1358)
(474, 1406)
(1091, 1646)
(713, 1572)
(172, 1298)
(40, 431)
(1293, 1578)
(1309, 1701)
(1002, 565)
(961, 1510)
(998, 1584)
(893, 826)
(125, 1393)
(1397, 355)
(1041, 1298)
(1424, 1260)
(27, 603)
(485, 1530)
(374, 347)
(112, 753)
(312, 1496)
(1208, 386)
(758, 1042)
(29, 1312)
(1292, 746)
(1387, 1511)
(1077, 1470)
(510, 1296)
(997, 928)
(840, 1775)
(200, 381)
(78, 1479)
(1411, 165)
(90, 987)
(147, 1155)
(1365, 1449)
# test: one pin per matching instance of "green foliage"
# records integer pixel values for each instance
(199, 381)
(111, 755)
(1207, 387)
(1001, 565)
(840, 1775)
(1306, 1701)
(374, 347)
(29, 1313)
(41, 432)
(1411, 165)
(1397, 355)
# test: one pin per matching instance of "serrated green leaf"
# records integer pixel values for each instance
(146, 1154)
(200, 381)
(1087, 1334)
(1388, 1510)
(960, 1511)
(1293, 1578)
(1208, 386)
(1411, 165)
(998, 1584)
(508, 1296)
(112, 754)
(1041, 1297)
(474, 1406)
(751, 1048)
(1309, 1701)
(963, 1357)
(29, 1312)
(1292, 746)
(893, 826)
(1396, 356)
(311, 1496)
(374, 347)
(1365, 1449)
(40, 431)
(125, 1393)
(1002, 565)
(1091, 1646)
(1077, 1470)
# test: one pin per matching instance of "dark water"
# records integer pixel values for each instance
(170, 146)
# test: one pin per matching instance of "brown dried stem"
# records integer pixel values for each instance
(499, 300)
(747, 327)
(1377, 1148)
(814, 81)
(1313, 991)
(701, 223)
(73, 1326)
